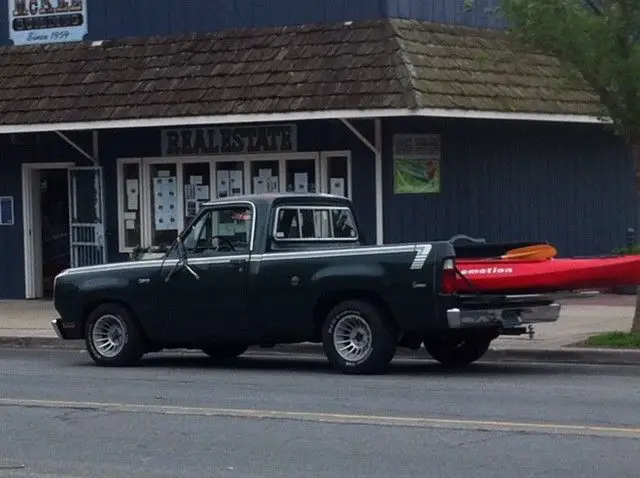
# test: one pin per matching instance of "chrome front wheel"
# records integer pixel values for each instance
(109, 335)
(112, 336)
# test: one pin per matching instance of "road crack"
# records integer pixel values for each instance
(487, 437)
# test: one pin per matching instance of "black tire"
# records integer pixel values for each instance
(225, 351)
(381, 344)
(457, 351)
(131, 347)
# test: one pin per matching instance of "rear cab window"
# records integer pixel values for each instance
(314, 224)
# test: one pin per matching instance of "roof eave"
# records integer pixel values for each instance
(193, 121)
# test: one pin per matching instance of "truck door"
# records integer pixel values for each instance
(208, 293)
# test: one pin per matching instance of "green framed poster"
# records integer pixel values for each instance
(416, 164)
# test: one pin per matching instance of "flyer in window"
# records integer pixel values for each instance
(259, 185)
(235, 183)
(272, 184)
(337, 186)
(165, 202)
(132, 194)
(223, 183)
(301, 181)
(226, 229)
(202, 192)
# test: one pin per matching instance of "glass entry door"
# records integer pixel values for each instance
(87, 239)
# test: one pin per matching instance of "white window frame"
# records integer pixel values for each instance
(324, 170)
(31, 218)
(298, 208)
(145, 177)
(121, 202)
(179, 162)
(234, 158)
(282, 159)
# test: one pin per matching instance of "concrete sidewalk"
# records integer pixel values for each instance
(576, 324)
(27, 318)
(579, 320)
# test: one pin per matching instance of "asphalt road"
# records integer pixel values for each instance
(182, 416)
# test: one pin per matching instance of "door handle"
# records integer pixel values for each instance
(238, 262)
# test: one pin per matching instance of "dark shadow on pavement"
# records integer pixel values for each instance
(319, 365)
(314, 363)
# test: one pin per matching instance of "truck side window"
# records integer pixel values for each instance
(220, 231)
(343, 226)
(314, 223)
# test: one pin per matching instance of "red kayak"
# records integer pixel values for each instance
(502, 275)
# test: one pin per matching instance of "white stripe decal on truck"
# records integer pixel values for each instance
(422, 253)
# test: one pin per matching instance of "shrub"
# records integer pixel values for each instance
(625, 251)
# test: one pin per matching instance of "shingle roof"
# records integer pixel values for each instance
(472, 69)
(377, 64)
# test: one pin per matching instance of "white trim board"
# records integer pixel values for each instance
(32, 268)
(296, 116)
(379, 181)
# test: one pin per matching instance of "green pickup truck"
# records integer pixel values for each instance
(263, 270)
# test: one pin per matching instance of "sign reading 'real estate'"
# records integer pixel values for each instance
(47, 21)
(275, 138)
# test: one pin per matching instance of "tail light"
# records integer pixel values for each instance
(449, 285)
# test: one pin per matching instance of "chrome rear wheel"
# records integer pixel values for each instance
(358, 337)
(352, 337)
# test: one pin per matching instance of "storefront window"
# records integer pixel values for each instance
(229, 178)
(158, 198)
(265, 177)
(164, 204)
(131, 208)
(300, 175)
(338, 176)
(196, 185)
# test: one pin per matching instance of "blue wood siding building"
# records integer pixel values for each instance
(501, 182)
(574, 193)
(566, 183)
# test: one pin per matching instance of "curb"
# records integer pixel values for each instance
(576, 355)
(40, 343)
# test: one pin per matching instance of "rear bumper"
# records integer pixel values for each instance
(502, 318)
(65, 330)
(509, 311)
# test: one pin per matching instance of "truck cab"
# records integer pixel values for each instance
(268, 269)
